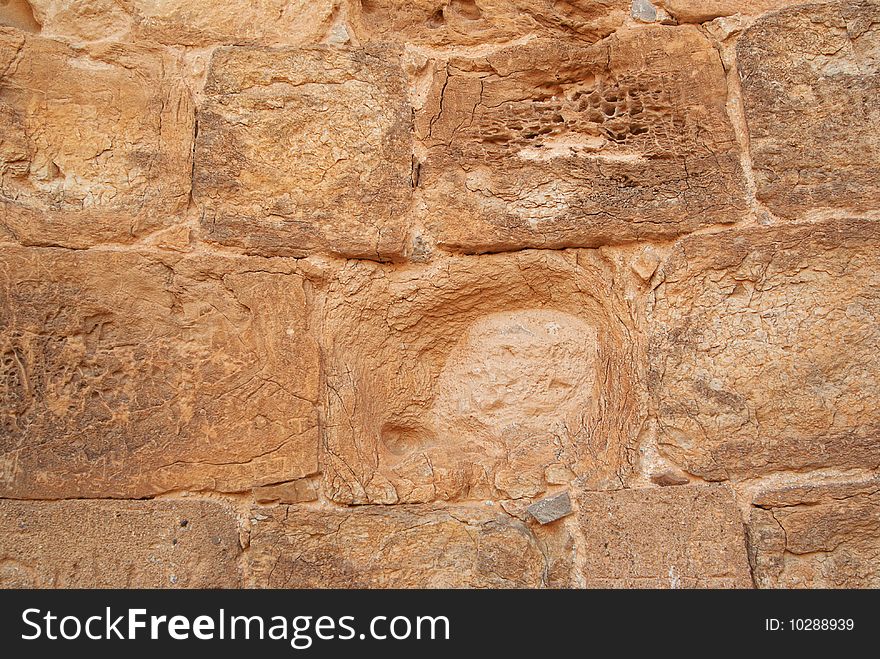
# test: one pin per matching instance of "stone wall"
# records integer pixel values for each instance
(440, 293)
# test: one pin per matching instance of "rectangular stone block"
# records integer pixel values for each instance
(489, 378)
(764, 346)
(126, 374)
(303, 150)
(810, 86)
(392, 547)
(118, 544)
(670, 537)
(97, 141)
(554, 143)
(817, 536)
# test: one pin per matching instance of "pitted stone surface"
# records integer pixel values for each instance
(127, 374)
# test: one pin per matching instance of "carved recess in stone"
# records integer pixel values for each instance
(304, 149)
(492, 378)
(97, 141)
(811, 80)
(555, 144)
(764, 346)
(126, 374)
(483, 22)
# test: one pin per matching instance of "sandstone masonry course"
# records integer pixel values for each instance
(332, 293)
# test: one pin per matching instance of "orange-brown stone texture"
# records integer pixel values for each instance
(440, 293)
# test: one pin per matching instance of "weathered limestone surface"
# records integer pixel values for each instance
(118, 544)
(671, 537)
(817, 536)
(764, 346)
(465, 293)
(187, 22)
(680, 537)
(126, 374)
(700, 11)
(96, 144)
(424, 23)
(18, 14)
(443, 24)
(810, 84)
(402, 546)
(478, 378)
(554, 144)
(431, 23)
(304, 149)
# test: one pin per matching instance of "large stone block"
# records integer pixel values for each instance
(118, 544)
(555, 144)
(483, 22)
(764, 346)
(392, 547)
(188, 22)
(489, 378)
(305, 149)
(97, 141)
(669, 537)
(817, 536)
(810, 87)
(126, 374)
